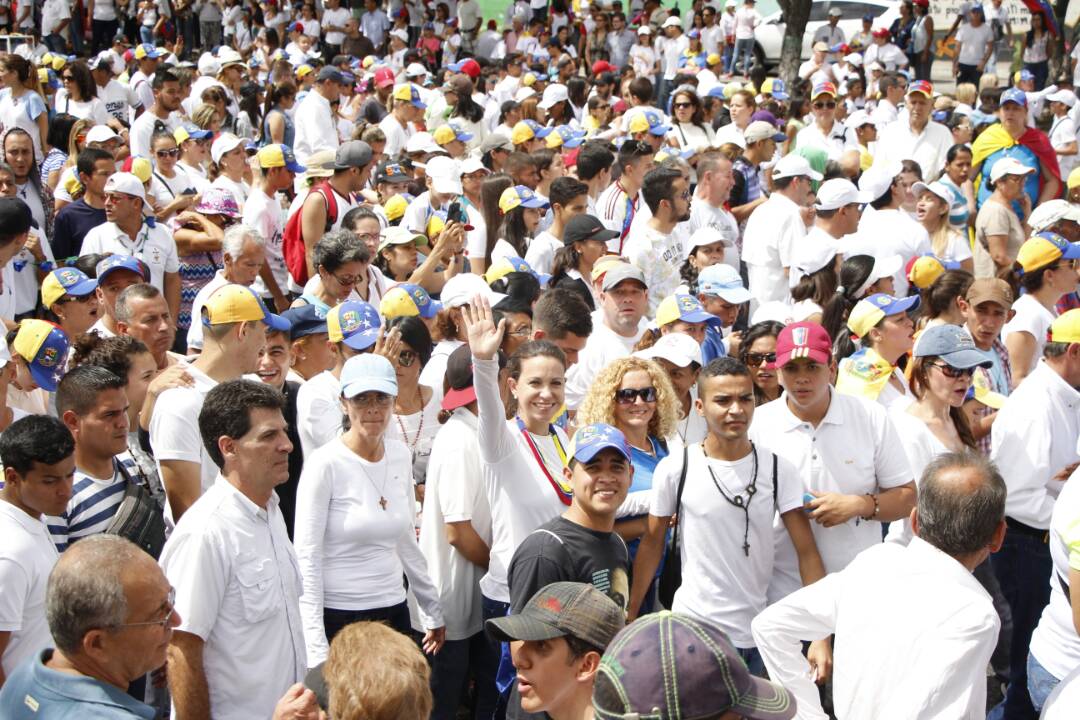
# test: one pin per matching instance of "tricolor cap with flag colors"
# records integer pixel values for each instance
(408, 300)
(44, 347)
(355, 323)
(648, 120)
(526, 130)
(520, 195)
(868, 312)
(823, 88)
(234, 303)
(65, 281)
(445, 134)
(503, 266)
(923, 87)
(565, 136)
(590, 440)
(407, 92)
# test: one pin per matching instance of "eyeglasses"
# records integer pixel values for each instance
(163, 622)
(680, 105)
(684, 195)
(347, 281)
(628, 396)
(372, 398)
(953, 373)
(824, 105)
(521, 332)
(77, 298)
(754, 359)
(406, 358)
(175, 152)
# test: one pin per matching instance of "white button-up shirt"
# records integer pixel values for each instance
(316, 127)
(153, 245)
(1033, 438)
(854, 450)
(928, 148)
(238, 588)
(914, 633)
(839, 139)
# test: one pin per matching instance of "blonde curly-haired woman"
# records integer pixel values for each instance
(636, 396)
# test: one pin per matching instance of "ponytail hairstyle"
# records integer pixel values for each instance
(940, 295)
(1021, 281)
(919, 382)
(566, 258)
(819, 286)
(854, 273)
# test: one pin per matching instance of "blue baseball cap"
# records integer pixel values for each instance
(305, 320)
(1027, 75)
(1014, 95)
(44, 347)
(121, 262)
(869, 311)
(590, 440)
(539, 130)
(368, 373)
(355, 323)
(952, 344)
(724, 282)
(779, 89)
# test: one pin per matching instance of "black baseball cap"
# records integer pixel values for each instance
(586, 227)
(390, 171)
(305, 321)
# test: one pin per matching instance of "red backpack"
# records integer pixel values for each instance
(292, 243)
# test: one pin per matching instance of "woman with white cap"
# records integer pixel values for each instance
(999, 231)
(354, 528)
(932, 207)
(943, 362)
(228, 164)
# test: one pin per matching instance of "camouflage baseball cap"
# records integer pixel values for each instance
(561, 609)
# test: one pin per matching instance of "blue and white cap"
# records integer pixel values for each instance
(590, 440)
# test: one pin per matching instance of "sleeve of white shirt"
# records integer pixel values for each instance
(1022, 456)
(416, 570)
(789, 232)
(459, 490)
(780, 629)
(665, 486)
(890, 463)
(173, 436)
(495, 440)
(313, 495)
(172, 258)
(198, 569)
(320, 424)
(16, 585)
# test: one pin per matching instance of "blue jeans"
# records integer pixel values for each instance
(495, 609)
(1040, 683)
(744, 48)
(146, 34)
(450, 673)
(1023, 569)
(725, 59)
(754, 662)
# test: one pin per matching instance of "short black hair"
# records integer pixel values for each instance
(226, 412)
(79, 388)
(631, 151)
(565, 189)
(594, 158)
(560, 311)
(88, 157)
(719, 367)
(163, 76)
(659, 184)
(35, 438)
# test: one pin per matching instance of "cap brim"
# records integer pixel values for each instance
(659, 130)
(454, 399)
(543, 132)
(370, 384)
(446, 186)
(886, 267)
(276, 322)
(521, 627)
(1072, 251)
(295, 167)
(534, 204)
(83, 287)
(432, 309)
(362, 340)
(44, 377)
(818, 356)
(989, 398)
(965, 359)
(586, 454)
(902, 305)
(735, 296)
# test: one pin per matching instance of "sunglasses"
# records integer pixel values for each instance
(175, 152)
(82, 299)
(628, 396)
(953, 373)
(754, 359)
(680, 105)
(824, 105)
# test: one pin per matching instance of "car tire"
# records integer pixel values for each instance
(759, 56)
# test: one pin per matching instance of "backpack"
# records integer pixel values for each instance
(292, 243)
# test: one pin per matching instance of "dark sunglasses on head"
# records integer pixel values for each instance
(754, 359)
(627, 396)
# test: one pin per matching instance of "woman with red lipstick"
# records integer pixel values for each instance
(944, 360)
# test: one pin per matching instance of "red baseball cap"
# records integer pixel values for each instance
(803, 340)
(881, 32)
(603, 66)
(384, 77)
(470, 67)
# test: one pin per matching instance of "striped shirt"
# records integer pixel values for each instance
(93, 504)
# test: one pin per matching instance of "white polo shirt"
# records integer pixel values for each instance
(855, 450)
(153, 245)
(237, 586)
(1033, 438)
(928, 148)
(27, 556)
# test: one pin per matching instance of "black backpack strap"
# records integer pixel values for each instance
(775, 499)
(678, 496)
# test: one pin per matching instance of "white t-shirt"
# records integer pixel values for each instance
(337, 17)
(93, 109)
(769, 239)
(318, 411)
(973, 41)
(702, 215)
(27, 556)
(153, 245)
(603, 347)
(455, 493)
(920, 446)
(723, 583)
(239, 190)
(541, 252)
(396, 135)
(746, 20)
(142, 130)
(119, 99)
(659, 257)
(195, 333)
(1063, 132)
(1032, 318)
(264, 213)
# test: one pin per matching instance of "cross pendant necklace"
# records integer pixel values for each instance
(738, 500)
(382, 502)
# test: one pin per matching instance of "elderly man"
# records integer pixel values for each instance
(929, 659)
(242, 254)
(918, 138)
(141, 312)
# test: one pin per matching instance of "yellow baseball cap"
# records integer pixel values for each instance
(520, 195)
(526, 130)
(272, 156)
(1044, 249)
(236, 303)
(303, 71)
(448, 133)
(407, 92)
(1066, 329)
(408, 300)
(394, 208)
(65, 281)
(1073, 180)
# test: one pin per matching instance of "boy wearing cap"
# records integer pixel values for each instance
(719, 518)
(846, 450)
(234, 332)
(263, 212)
(556, 641)
(128, 231)
(400, 124)
(919, 139)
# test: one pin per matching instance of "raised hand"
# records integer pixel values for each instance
(484, 336)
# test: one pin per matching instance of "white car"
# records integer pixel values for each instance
(770, 34)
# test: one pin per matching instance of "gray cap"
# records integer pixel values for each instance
(496, 141)
(952, 344)
(355, 153)
(329, 73)
(622, 271)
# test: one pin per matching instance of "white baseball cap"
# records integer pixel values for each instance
(675, 347)
(879, 178)
(1009, 166)
(472, 164)
(1063, 96)
(837, 193)
(416, 70)
(935, 187)
(400, 35)
(226, 142)
(127, 184)
(100, 134)
(421, 142)
(1052, 211)
(644, 30)
(445, 174)
(672, 21)
(811, 254)
(555, 93)
(884, 267)
(859, 118)
(794, 166)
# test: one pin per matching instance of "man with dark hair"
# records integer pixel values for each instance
(561, 316)
(1033, 441)
(930, 658)
(38, 469)
(94, 166)
(240, 643)
(736, 522)
(522, 170)
(594, 162)
(891, 90)
(569, 197)
(617, 204)
(234, 332)
(15, 223)
(166, 90)
(92, 403)
(656, 248)
(141, 312)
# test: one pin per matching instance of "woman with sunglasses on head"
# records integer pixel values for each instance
(943, 362)
(1045, 269)
(355, 521)
(172, 188)
(340, 259)
(416, 409)
(758, 352)
(198, 234)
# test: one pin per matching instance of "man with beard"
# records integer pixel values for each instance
(656, 248)
(166, 90)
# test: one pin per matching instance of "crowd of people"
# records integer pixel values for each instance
(394, 362)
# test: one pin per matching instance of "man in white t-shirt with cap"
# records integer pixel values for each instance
(773, 229)
(885, 228)
(443, 178)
